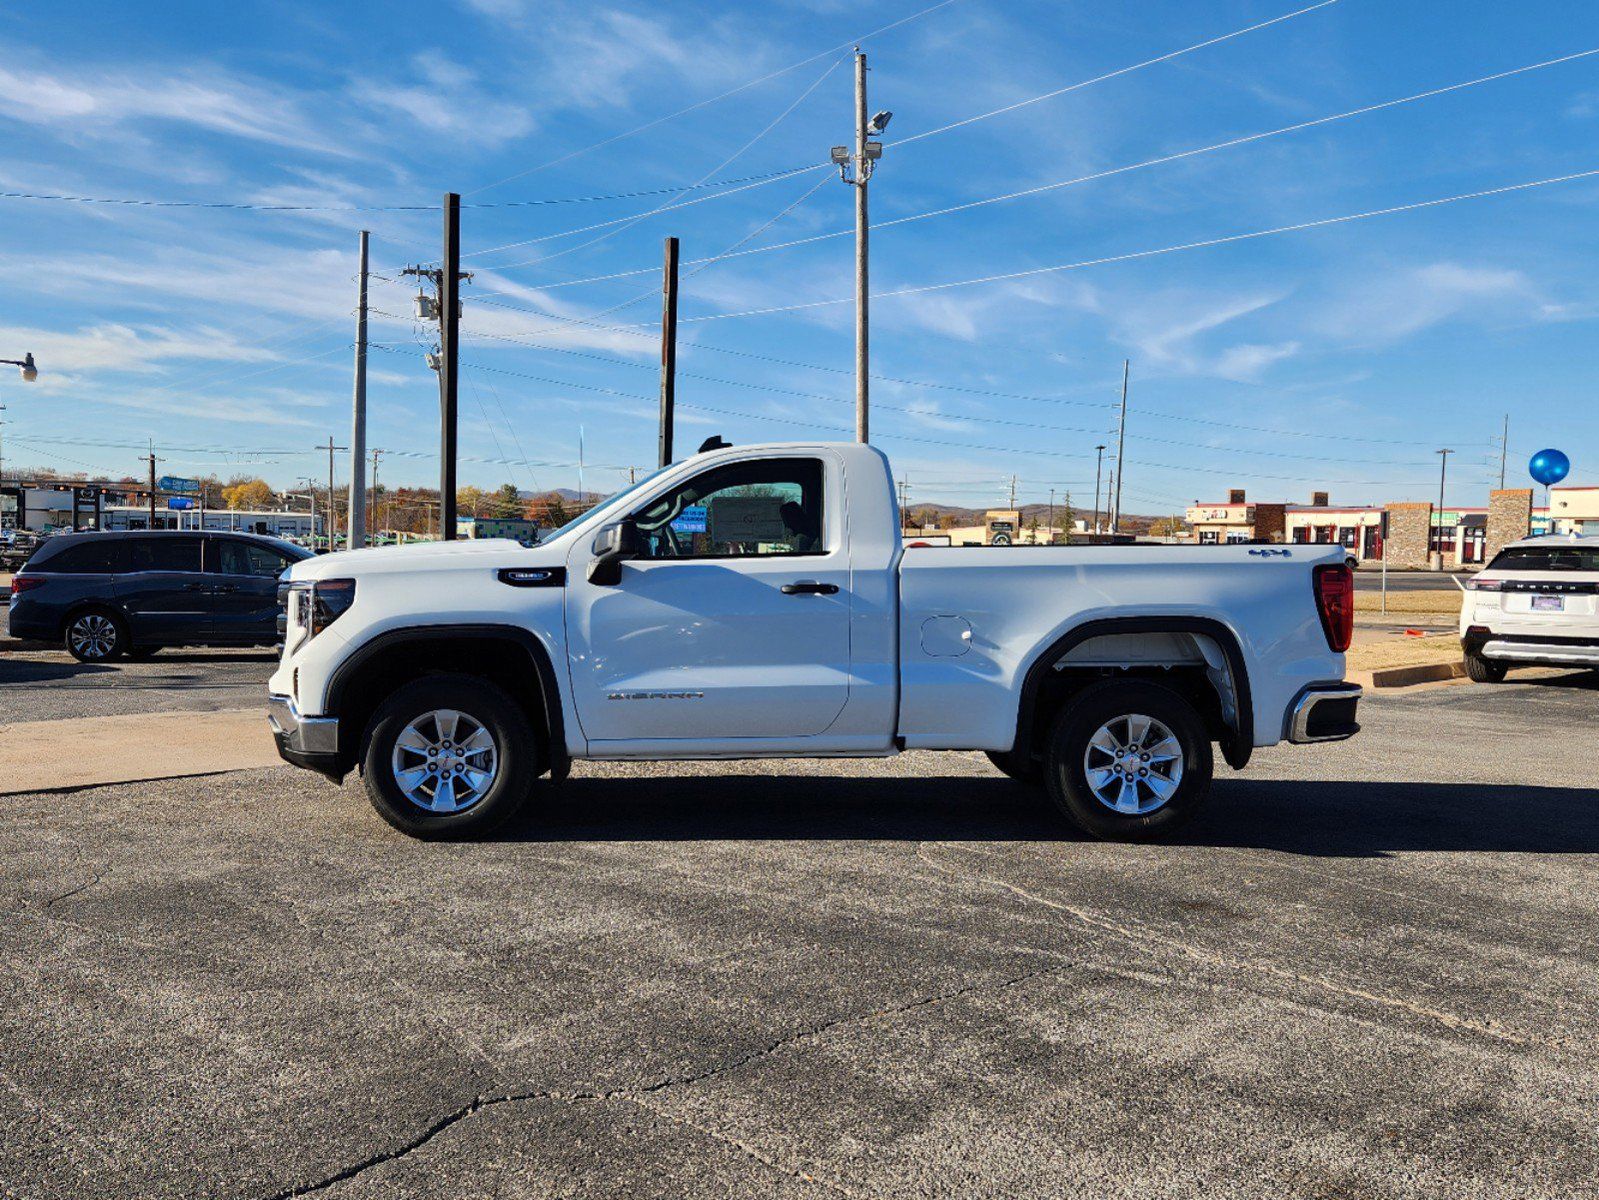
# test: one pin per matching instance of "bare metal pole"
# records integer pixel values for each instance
(1443, 467)
(1121, 441)
(357, 516)
(668, 350)
(1504, 451)
(863, 172)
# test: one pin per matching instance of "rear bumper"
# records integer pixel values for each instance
(1534, 648)
(310, 742)
(1324, 712)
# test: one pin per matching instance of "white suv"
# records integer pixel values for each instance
(1536, 604)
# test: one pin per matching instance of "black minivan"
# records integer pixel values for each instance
(109, 594)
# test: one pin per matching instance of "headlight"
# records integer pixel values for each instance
(313, 606)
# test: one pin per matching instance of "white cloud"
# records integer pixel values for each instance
(1170, 331)
(86, 103)
(447, 101)
(118, 347)
(1400, 303)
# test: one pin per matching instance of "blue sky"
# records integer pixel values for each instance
(1335, 358)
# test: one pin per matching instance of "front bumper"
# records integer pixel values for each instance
(1324, 712)
(310, 742)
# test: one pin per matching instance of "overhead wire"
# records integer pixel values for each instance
(1141, 254)
(699, 104)
(1110, 172)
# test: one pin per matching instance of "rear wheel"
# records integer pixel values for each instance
(95, 636)
(1128, 761)
(1484, 670)
(449, 756)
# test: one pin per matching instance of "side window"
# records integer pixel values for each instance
(164, 554)
(246, 558)
(770, 506)
(93, 557)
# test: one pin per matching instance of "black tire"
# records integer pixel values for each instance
(95, 635)
(1022, 769)
(1148, 818)
(518, 756)
(1484, 670)
(142, 653)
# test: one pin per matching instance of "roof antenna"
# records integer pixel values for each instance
(714, 442)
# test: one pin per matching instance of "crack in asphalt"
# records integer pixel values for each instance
(632, 1094)
(71, 892)
(1144, 939)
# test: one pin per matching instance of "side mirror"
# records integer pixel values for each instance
(613, 546)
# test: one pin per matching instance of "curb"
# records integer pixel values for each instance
(1398, 677)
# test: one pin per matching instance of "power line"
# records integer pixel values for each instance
(252, 206)
(1122, 170)
(1148, 62)
(699, 104)
(1138, 254)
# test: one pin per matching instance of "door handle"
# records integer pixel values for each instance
(809, 587)
(195, 587)
(226, 587)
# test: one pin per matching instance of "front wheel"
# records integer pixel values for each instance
(1128, 761)
(1484, 670)
(449, 756)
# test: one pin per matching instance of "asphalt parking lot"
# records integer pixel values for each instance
(1367, 971)
(47, 685)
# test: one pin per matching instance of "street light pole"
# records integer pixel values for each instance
(863, 162)
(1121, 442)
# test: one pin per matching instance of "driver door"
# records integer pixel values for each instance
(732, 622)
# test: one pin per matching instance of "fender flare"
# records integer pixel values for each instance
(1236, 749)
(549, 687)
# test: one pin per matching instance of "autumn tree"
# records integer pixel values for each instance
(251, 495)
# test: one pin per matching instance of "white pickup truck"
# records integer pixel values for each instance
(758, 602)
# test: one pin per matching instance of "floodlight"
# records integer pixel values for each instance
(880, 122)
(840, 155)
(29, 371)
(874, 149)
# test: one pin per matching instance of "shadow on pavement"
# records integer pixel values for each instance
(1340, 819)
(26, 670)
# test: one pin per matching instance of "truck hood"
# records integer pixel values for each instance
(386, 560)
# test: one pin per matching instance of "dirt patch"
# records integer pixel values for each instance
(1400, 651)
(1410, 602)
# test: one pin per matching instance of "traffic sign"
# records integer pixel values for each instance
(180, 502)
(171, 483)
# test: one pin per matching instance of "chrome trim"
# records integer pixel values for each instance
(1540, 652)
(305, 735)
(1299, 715)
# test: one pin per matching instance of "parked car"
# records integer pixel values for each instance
(758, 602)
(16, 546)
(104, 595)
(1535, 604)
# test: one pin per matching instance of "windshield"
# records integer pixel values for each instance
(608, 504)
(1546, 558)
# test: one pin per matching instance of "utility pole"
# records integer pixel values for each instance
(449, 369)
(1013, 491)
(668, 350)
(904, 515)
(357, 518)
(310, 495)
(1099, 463)
(863, 162)
(445, 308)
(377, 522)
(1121, 441)
(151, 460)
(1050, 524)
(1504, 451)
(1443, 467)
(333, 511)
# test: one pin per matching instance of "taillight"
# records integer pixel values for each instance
(24, 583)
(1335, 603)
(1485, 585)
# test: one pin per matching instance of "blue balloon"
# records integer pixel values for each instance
(1549, 467)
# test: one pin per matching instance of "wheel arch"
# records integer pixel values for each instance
(1237, 742)
(501, 653)
(94, 604)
